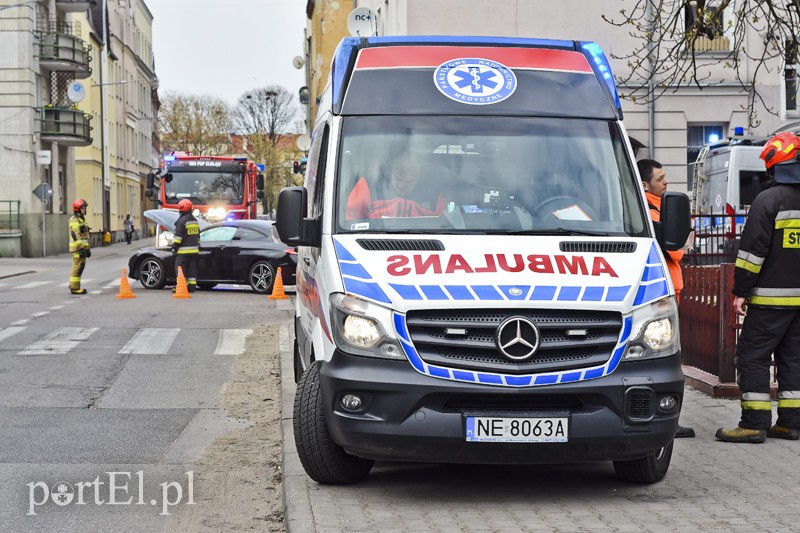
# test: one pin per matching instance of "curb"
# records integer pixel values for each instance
(297, 512)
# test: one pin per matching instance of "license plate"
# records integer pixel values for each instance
(505, 429)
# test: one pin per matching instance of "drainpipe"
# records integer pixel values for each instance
(651, 106)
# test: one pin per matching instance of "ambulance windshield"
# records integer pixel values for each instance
(493, 175)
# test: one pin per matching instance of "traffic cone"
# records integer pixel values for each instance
(181, 290)
(277, 288)
(125, 287)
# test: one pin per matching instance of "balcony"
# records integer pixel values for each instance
(73, 6)
(60, 50)
(718, 44)
(64, 125)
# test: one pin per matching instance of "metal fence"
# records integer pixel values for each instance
(709, 326)
(716, 238)
(9, 214)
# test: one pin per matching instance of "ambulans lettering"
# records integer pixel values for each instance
(578, 265)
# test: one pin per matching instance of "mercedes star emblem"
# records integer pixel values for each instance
(517, 338)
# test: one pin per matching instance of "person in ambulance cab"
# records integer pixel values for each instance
(78, 244)
(404, 194)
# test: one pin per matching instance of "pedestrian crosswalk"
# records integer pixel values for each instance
(144, 341)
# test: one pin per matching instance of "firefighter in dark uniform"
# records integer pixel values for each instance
(78, 244)
(186, 244)
(767, 292)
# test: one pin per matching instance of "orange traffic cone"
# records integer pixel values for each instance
(125, 287)
(277, 288)
(181, 290)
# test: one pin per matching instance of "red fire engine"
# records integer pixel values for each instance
(218, 187)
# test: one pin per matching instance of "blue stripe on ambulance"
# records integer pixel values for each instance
(355, 277)
(487, 378)
(654, 281)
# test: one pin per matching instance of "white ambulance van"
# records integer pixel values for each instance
(478, 278)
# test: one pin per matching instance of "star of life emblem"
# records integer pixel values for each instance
(475, 81)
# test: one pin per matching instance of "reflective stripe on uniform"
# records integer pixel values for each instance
(788, 404)
(177, 239)
(789, 214)
(756, 406)
(787, 223)
(73, 279)
(189, 250)
(775, 301)
(787, 394)
(756, 396)
(750, 267)
(750, 258)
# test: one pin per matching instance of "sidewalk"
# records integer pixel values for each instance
(18, 266)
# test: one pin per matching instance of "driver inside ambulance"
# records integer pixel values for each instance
(404, 194)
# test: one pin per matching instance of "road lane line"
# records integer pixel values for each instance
(40, 314)
(20, 322)
(59, 342)
(232, 341)
(151, 341)
(32, 285)
(7, 332)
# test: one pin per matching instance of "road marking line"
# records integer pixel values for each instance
(7, 332)
(20, 322)
(32, 285)
(40, 313)
(59, 342)
(114, 283)
(151, 341)
(56, 307)
(232, 341)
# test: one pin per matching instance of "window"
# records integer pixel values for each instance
(711, 25)
(697, 137)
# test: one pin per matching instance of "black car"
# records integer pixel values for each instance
(235, 251)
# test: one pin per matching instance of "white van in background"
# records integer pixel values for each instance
(728, 176)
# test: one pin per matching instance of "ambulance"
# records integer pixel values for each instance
(478, 278)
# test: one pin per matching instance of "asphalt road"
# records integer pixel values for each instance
(104, 401)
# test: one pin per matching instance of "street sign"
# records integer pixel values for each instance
(43, 191)
(43, 157)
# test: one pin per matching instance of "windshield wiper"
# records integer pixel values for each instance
(556, 231)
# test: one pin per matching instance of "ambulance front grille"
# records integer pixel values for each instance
(466, 339)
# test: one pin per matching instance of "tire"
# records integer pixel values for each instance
(323, 460)
(206, 286)
(646, 470)
(152, 274)
(262, 277)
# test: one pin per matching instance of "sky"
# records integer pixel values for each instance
(224, 48)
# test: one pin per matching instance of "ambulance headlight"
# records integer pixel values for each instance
(655, 331)
(363, 328)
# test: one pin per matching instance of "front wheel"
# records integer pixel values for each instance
(151, 274)
(646, 470)
(323, 460)
(262, 277)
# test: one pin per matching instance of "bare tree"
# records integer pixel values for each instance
(264, 115)
(199, 125)
(669, 34)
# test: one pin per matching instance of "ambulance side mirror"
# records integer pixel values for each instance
(291, 223)
(676, 221)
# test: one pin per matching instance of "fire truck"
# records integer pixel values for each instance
(219, 187)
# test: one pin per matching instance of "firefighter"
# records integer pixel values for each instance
(767, 292)
(78, 244)
(186, 244)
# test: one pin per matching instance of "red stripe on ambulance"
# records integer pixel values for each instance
(433, 56)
